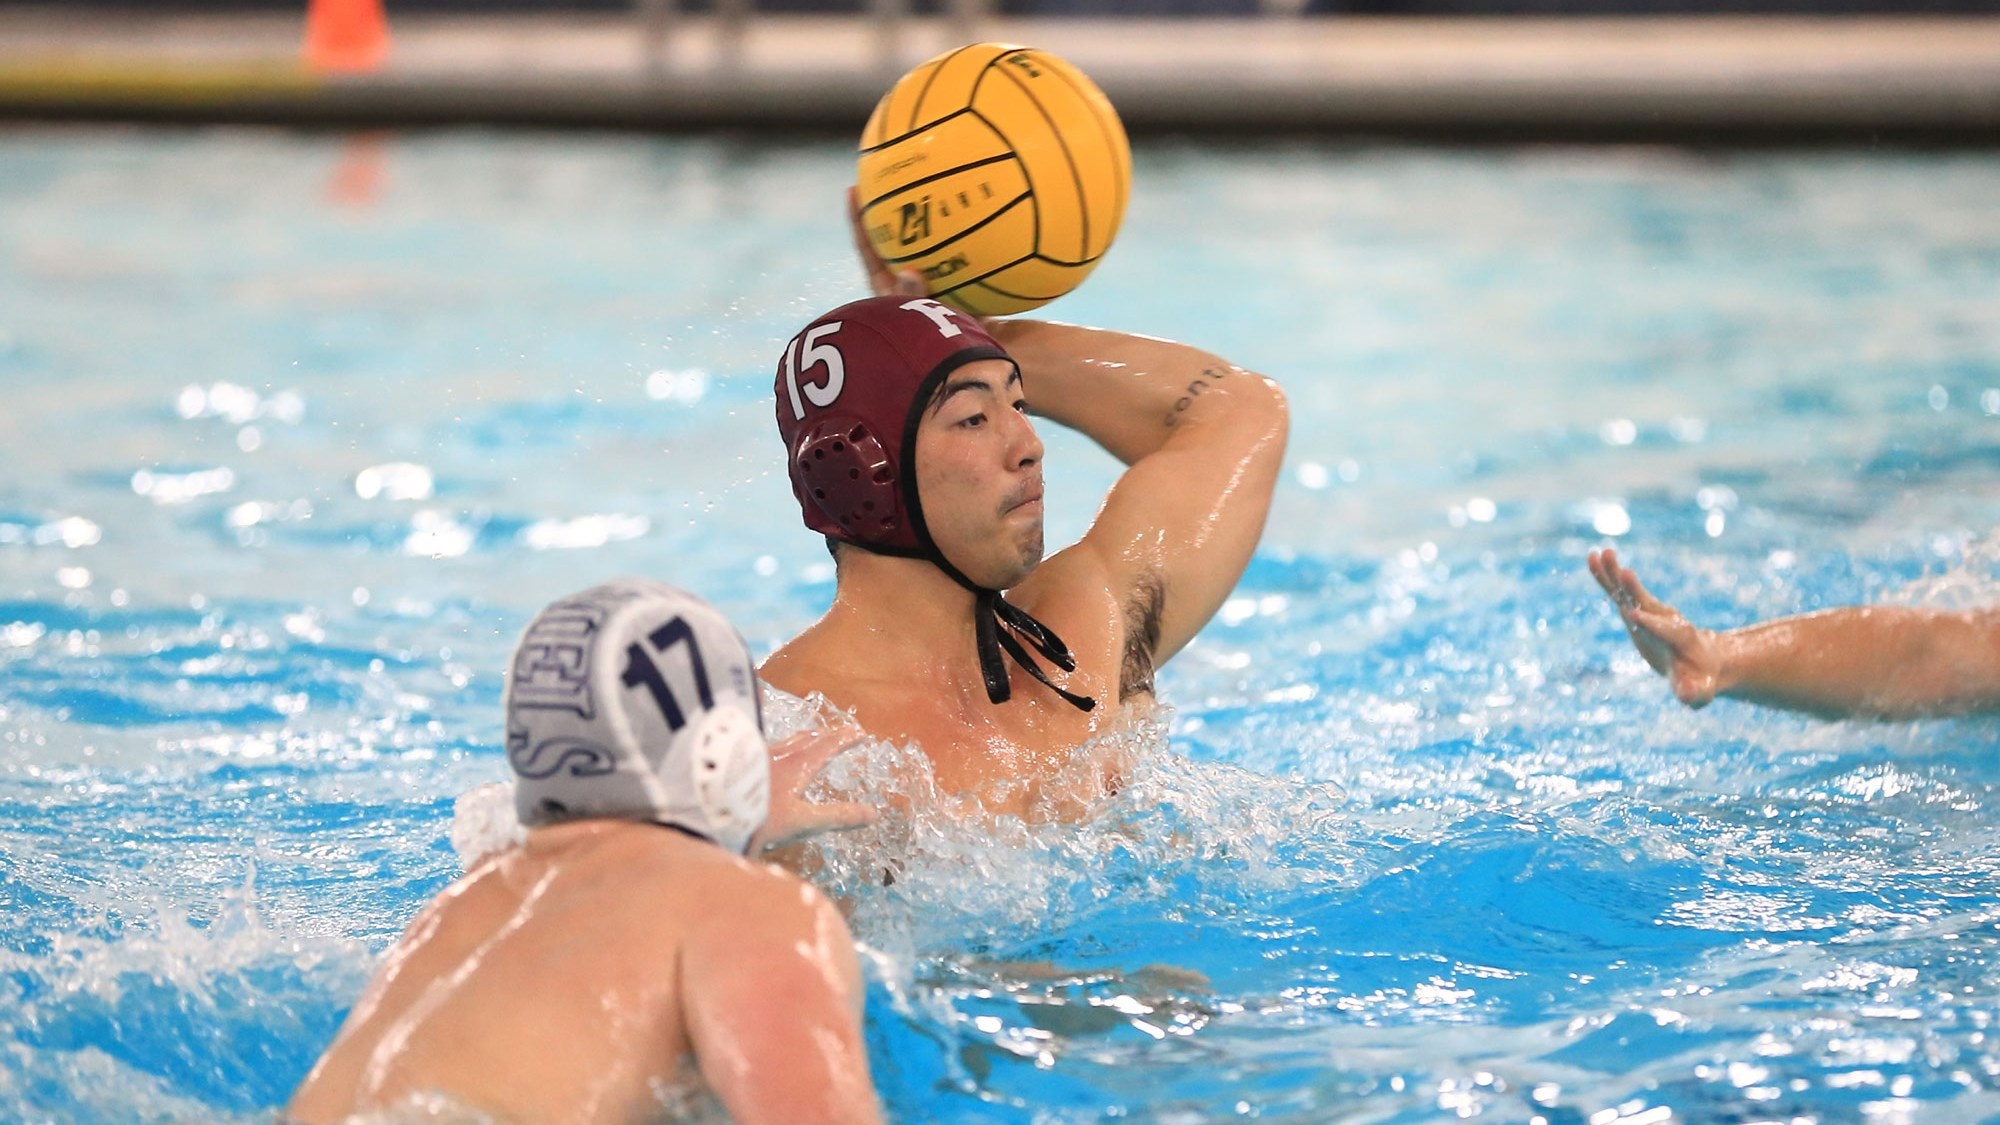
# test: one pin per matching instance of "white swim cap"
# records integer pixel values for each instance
(639, 701)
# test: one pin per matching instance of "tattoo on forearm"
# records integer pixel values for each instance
(1209, 377)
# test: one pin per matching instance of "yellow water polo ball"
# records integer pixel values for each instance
(999, 172)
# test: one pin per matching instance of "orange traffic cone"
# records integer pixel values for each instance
(345, 36)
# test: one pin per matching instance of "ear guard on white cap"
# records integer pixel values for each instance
(638, 701)
(730, 775)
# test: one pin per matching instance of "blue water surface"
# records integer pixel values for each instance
(301, 429)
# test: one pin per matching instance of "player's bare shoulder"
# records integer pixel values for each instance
(771, 899)
(761, 922)
(1078, 572)
(647, 873)
(803, 664)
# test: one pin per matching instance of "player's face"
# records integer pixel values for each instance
(979, 474)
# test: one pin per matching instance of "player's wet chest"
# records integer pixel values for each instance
(1034, 733)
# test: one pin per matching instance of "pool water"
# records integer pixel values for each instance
(301, 429)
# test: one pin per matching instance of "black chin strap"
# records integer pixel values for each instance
(1000, 627)
(999, 624)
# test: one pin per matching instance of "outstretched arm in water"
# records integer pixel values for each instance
(1883, 662)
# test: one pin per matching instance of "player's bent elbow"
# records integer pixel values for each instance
(1231, 410)
(1279, 408)
(1262, 393)
(1255, 404)
(1265, 412)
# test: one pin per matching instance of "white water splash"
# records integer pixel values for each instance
(933, 869)
(484, 823)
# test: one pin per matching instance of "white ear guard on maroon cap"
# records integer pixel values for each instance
(637, 700)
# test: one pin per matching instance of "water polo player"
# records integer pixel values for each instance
(625, 944)
(910, 449)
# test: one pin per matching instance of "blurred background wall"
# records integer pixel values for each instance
(1132, 7)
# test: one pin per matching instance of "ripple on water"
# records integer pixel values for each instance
(141, 1013)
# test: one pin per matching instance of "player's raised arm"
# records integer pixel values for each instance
(773, 1010)
(1204, 439)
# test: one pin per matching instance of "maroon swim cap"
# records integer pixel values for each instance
(851, 389)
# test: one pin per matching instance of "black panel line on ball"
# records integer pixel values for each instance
(973, 94)
(1067, 264)
(1027, 173)
(930, 78)
(935, 177)
(1104, 128)
(901, 137)
(966, 297)
(937, 246)
(982, 277)
(1017, 296)
(1008, 155)
(1082, 204)
(963, 296)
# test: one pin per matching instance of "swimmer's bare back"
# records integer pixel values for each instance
(598, 966)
